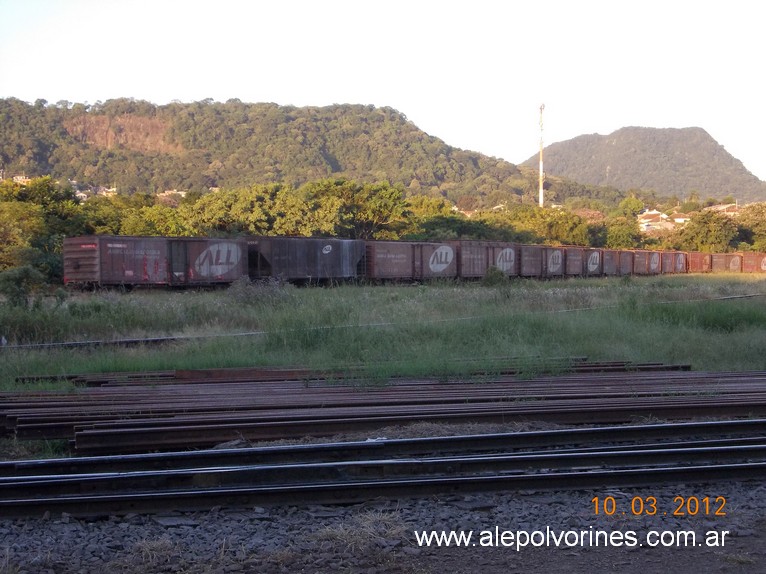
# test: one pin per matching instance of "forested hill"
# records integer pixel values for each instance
(138, 146)
(672, 162)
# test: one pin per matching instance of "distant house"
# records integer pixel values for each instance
(21, 179)
(727, 209)
(590, 215)
(653, 220)
(171, 193)
(680, 218)
(106, 191)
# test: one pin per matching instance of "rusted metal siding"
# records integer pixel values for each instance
(82, 265)
(655, 263)
(627, 262)
(593, 264)
(531, 261)
(726, 263)
(305, 258)
(610, 262)
(641, 262)
(553, 261)
(506, 258)
(476, 257)
(411, 260)
(389, 260)
(206, 261)
(133, 260)
(754, 262)
(541, 261)
(700, 262)
(125, 260)
(575, 260)
(668, 262)
(647, 262)
(681, 262)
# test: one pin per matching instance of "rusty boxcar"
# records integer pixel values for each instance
(726, 263)
(610, 262)
(593, 264)
(122, 260)
(305, 258)
(700, 262)
(413, 260)
(542, 261)
(754, 262)
(476, 257)
(575, 260)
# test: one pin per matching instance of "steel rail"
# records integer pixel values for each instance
(696, 434)
(374, 469)
(348, 491)
(116, 438)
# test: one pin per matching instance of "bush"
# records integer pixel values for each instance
(19, 284)
(494, 277)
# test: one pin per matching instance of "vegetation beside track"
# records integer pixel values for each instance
(709, 322)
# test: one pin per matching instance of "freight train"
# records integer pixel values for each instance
(109, 260)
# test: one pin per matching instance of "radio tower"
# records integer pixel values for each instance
(542, 173)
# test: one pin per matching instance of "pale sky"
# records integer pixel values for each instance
(472, 73)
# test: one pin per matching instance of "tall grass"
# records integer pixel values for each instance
(400, 329)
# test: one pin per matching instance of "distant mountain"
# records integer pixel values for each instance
(672, 162)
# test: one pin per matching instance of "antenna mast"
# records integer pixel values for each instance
(542, 173)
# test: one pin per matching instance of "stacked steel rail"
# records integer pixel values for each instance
(123, 413)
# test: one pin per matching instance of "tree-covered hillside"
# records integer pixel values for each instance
(671, 162)
(140, 147)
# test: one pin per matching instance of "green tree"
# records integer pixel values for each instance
(247, 210)
(21, 224)
(706, 231)
(155, 220)
(630, 207)
(299, 212)
(19, 284)
(752, 223)
(623, 233)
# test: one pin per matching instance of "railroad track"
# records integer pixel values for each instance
(350, 472)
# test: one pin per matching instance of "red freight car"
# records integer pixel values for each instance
(411, 260)
(627, 261)
(646, 262)
(476, 257)
(726, 262)
(610, 262)
(575, 260)
(593, 265)
(754, 262)
(123, 260)
(700, 262)
(541, 261)
(667, 262)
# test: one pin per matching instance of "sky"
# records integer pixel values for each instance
(472, 73)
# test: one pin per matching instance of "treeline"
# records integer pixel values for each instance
(139, 147)
(34, 219)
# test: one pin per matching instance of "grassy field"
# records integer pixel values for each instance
(712, 322)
